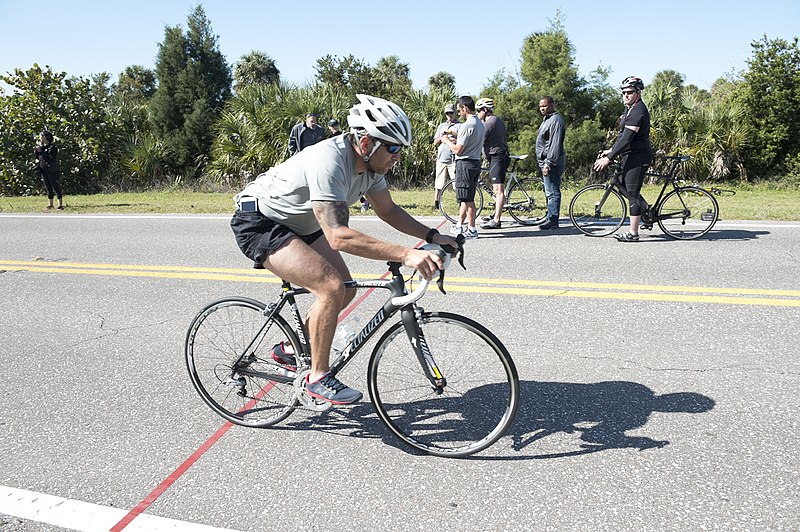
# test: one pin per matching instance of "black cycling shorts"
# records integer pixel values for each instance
(259, 236)
(498, 165)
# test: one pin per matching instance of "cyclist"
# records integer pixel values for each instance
(293, 220)
(495, 150)
(634, 138)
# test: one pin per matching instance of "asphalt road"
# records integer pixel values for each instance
(660, 388)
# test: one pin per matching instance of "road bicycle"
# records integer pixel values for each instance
(442, 383)
(525, 198)
(684, 213)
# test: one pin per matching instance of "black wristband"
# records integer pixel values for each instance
(432, 233)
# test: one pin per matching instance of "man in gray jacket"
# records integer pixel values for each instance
(551, 158)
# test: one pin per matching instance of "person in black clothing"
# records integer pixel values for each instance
(305, 134)
(634, 143)
(47, 165)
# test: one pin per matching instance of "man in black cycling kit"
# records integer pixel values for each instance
(634, 142)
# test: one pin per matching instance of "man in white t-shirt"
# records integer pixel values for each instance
(293, 221)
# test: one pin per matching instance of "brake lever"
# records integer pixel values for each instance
(452, 251)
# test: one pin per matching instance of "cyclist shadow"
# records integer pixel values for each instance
(599, 414)
(550, 416)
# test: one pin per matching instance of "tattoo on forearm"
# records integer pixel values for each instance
(334, 214)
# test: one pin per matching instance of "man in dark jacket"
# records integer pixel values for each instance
(551, 158)
(305, 134)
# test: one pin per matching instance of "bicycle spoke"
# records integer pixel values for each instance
(597, 211)
(475, 406)
(226, 382)
(687, 213)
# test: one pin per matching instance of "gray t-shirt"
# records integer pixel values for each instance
(445, 155)
(325, 171)
(470, 135)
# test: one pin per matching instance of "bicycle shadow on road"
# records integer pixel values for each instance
(555, 419)
(599, 414)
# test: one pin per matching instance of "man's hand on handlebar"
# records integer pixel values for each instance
(427, 263)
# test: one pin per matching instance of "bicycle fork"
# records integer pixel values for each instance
(412, 319)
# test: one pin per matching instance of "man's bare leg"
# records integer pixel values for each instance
(299, 264)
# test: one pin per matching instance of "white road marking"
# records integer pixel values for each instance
(84, 516)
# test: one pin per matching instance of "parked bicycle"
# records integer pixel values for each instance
(442, 383)
(684, 213)
(525, 199)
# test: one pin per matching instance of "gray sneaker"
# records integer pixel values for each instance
(332, 390)
(492, 224)
(471, 233)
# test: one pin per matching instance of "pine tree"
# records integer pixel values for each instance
(194, 81)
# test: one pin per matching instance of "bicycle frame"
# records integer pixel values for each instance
(669, 179)
(409, 312)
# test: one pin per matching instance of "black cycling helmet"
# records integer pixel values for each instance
(632, 82)
(48, 135)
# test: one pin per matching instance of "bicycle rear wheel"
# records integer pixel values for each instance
(687, 213)
(526, 202)
(597, 210)
(254, 390)
(449, 205)
(476, 406)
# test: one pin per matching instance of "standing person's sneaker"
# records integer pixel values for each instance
(492, 224)
(456, 230)
(549, 224)
(284, 355)
(471, 233)
(329, 388)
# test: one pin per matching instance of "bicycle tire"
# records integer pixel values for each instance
(449, 206)
(478, 403)
(526, 202)
(215, 340)
(592, 215)
(687, 213)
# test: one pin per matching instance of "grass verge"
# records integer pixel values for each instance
(751, 202)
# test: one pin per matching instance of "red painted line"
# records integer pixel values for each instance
(195, 456)
(170, 480)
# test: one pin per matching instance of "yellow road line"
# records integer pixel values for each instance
(692, 294)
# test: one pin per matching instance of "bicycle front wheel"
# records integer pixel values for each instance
(597, 210)
(475, 407)
(526, 202)
(231, 365)
(687, 213)
(449, 205)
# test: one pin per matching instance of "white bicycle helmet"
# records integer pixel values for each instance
(381, 119)
(485, 103)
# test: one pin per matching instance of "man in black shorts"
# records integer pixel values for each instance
(495, 151)
(634, 141)
(294, 221)
(467, 151)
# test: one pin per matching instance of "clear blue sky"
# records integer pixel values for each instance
(472, 40)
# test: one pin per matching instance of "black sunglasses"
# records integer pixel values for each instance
(393, 148)
(628, 92)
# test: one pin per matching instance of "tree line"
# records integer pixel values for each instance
(197, 121)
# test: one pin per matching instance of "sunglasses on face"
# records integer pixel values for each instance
(628, 92)
(393, 148)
